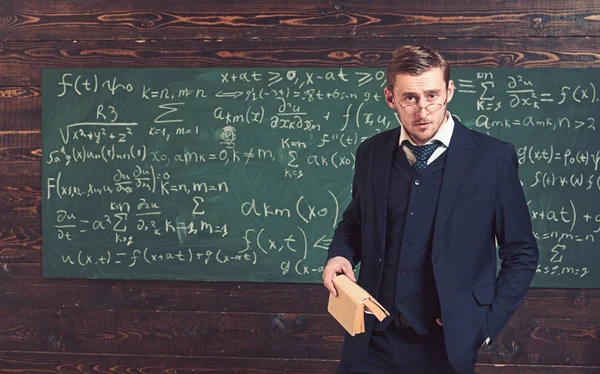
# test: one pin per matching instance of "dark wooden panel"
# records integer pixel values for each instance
(21, 147)
(545, 341)
(20, 108)
(20, 215)
(20, 184)
(20, 173)
(21, 63)
(20, 241)
(39, 362)
(16, 171)
(33, 363)
(267, 335)
(180, 19)
(21, 197)
(534, 369)
(21, 285)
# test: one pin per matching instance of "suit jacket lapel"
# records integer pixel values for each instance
(458, 160)
(383, 164)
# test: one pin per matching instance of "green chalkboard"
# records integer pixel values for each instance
(243, 174)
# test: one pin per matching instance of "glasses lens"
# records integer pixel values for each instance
(411, 109)
(431, 108)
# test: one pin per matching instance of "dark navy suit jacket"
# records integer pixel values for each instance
(481, 201)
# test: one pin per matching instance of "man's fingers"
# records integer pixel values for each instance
(335, 266)
(328, 281)
(439, 321)
(349, 273)
(329, 285)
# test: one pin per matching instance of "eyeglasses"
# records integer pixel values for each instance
(413, 109)
(431, 108)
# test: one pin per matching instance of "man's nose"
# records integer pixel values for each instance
(422, 113)
(422, 105)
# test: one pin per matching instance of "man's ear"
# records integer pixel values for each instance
(389, 97)
(450, 90)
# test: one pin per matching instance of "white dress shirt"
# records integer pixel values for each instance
(443, 136)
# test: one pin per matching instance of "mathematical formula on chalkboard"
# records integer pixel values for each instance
(243, 174)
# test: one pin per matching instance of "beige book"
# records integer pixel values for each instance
(351, 304)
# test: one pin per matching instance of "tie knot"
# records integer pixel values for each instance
(422, 152)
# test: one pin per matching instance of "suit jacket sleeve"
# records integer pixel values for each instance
(517, 246)
(346, 240)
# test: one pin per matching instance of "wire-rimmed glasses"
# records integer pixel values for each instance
(431, 108)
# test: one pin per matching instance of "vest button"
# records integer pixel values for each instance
(379, 260)
(412, 213)
(408, 242)
(417, 182)
(403, 272)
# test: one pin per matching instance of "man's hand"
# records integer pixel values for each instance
(439, 321)
(336, 265)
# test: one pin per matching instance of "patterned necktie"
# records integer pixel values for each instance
(422, 153)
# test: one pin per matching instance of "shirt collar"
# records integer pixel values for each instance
(443, 135)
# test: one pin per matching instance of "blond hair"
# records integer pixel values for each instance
(415, 60)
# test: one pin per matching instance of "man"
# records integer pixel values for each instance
(429, 202)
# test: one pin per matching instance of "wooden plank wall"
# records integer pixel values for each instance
(77, 326)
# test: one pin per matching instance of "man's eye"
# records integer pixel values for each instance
(433, 96)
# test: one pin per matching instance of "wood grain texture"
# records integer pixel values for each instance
(21, 197)
(118, 326)
(34, 363)
(210, 20)
(20, 241)
(43, 363)
(21, 147)
(22, 286)
(20, 174)
(266, 335)
(534, 369)
(10, 170)
(21, 63)
(20, 108)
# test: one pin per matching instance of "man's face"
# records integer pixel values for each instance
(421, 90)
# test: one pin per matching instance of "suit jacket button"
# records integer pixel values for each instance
(379, 260)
